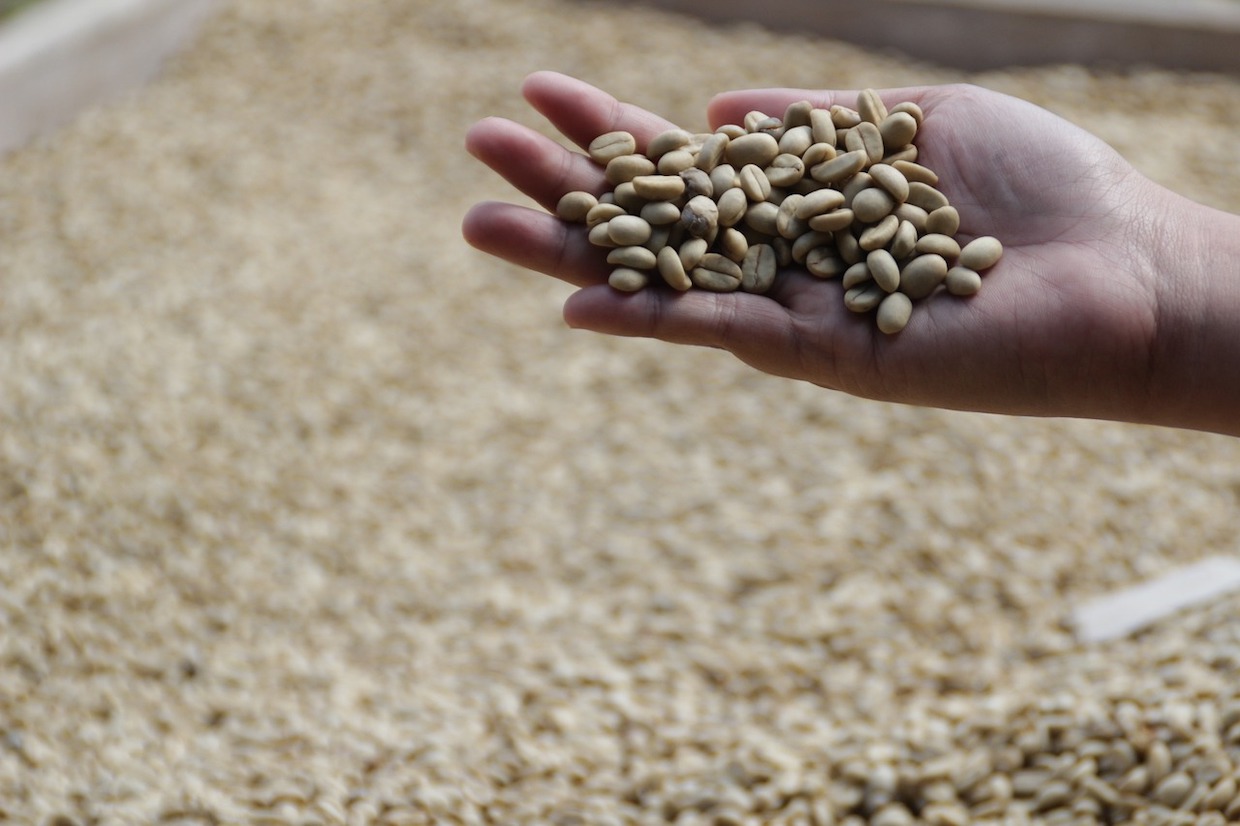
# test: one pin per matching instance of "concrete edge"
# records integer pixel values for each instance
(989, 34)
(59, 57)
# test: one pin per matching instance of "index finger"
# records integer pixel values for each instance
(583, 112)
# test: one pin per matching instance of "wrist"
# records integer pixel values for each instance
(1195, 357)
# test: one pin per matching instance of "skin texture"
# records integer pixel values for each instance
(1114, 299)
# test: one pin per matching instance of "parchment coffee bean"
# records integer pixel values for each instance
(921, 275)
(756, 148)
(925, 196)
(732, 206)
(758, 269)
(944, 220)
(873, 204)
(637, 258)
(870, 107)
(943, 245)
(981, 253)
(665, 142)
(627, 280)
(672, 270)
(611, 145)
(894, 313)
(884, 270)
(575, 206)
(628, 230)
(897, 130)
(659, 187)
(700, 216)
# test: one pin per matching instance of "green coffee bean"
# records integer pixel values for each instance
(611, 145)
(574, 206)
(894, 313)
(981, 253)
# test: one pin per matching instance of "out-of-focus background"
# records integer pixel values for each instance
(311, 514)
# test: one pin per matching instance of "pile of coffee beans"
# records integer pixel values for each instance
(837, 191)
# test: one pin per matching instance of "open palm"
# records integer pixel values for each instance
(1063, 325)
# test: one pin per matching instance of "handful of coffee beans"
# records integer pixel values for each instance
(837, 191)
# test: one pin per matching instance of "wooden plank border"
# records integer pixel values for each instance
(1197, 35)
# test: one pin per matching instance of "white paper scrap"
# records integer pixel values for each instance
(1119, 614)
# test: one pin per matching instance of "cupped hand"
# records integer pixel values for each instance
(1064, 324)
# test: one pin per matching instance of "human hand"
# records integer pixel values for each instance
(1065, 324)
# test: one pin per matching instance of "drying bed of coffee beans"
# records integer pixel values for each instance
(837, 191)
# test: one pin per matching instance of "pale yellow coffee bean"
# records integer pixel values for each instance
(855, 184)
(628, 167)
(912, 109)
(716, 274)
(603, 212)
(798, 114)
(759, 268)
(925, 196)
(732, 244)
(731, 130)
(897, 131)
(659, 213)
(884, 270)
(915, 215)
(667, 141)
(847, 244)
(981, 253)
(600, 235)
(880, 234)
(825, 262)
(907, 154)
(802, 245)
(943, 245)
(916, 173)
(871, 141)
(962, 281)
(836, 219)
(870, 107)
(731, 207)
(822, 127)
(894, 313)
(756, 148)
(796, 140)
(785, 171)
(660, 236)
(857, 273)
(711, 153)
(637, 258)
(697, 183)
(659, 187)
(754, 183)
(864, 297)
(675, 162)
(627, 197)
(763, 217)
(574, 206)
(839, 168)
(788, 224)
(752, 119)
(844, 117)
(944, 220)
(627, 280)
(890, 179)
(852, 141)
(691, 252)
(873, 204)
(628, 230)
(672, 269)
(723, 177)
(920, 276)
(819, 153)
(820, 201)
(611, 145)
(905, 240)
(770, 125)
(700, 216)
